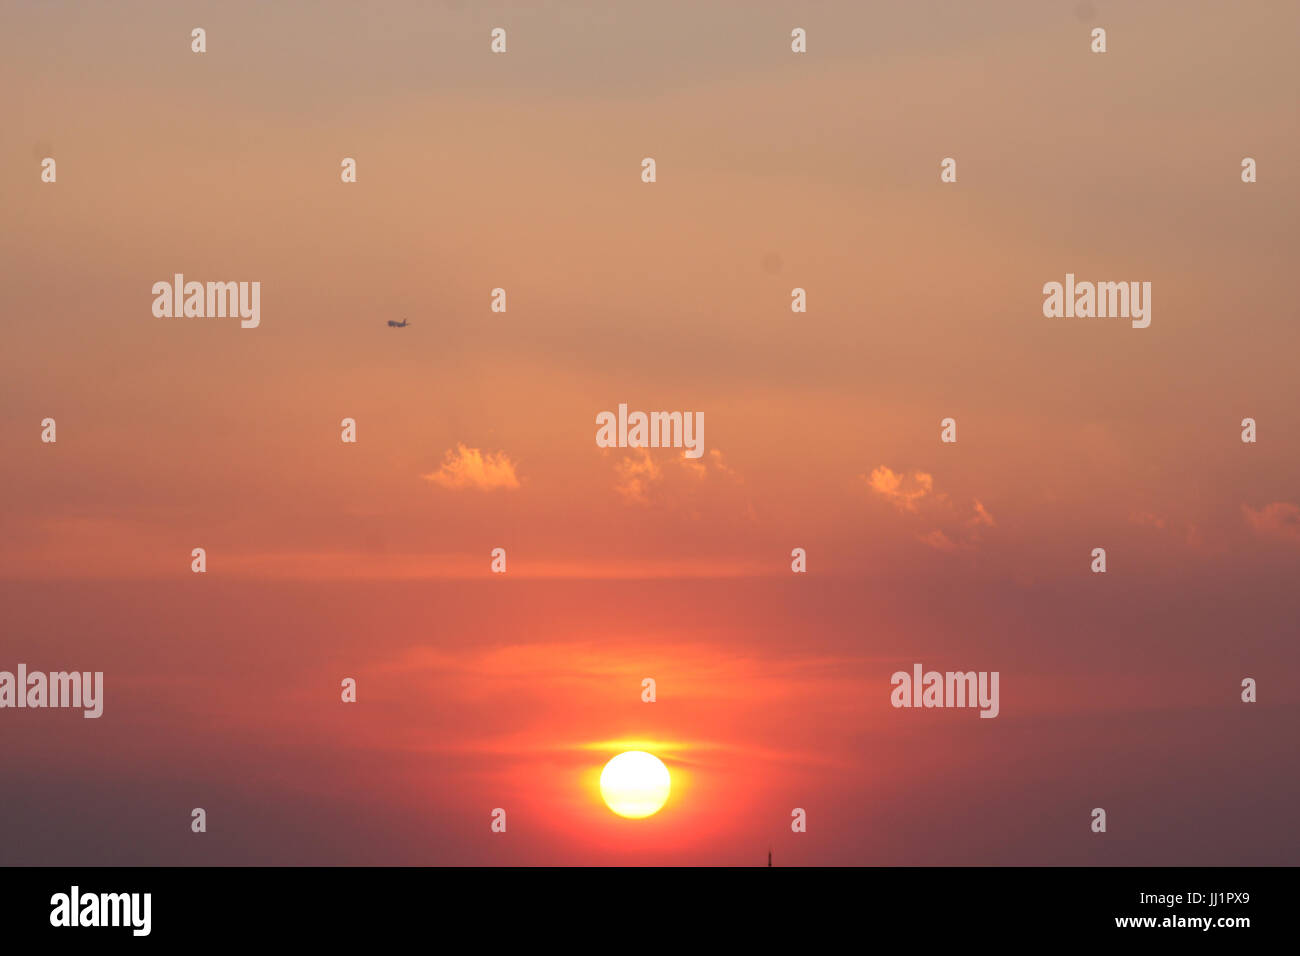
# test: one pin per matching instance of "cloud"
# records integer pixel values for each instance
(635, 476)
(914, 494)
(903, 491)
(938, 540)
(1281, 519)
(641, 480)
(470, 468)
(701, 467)
(1146, 519)
(1193, 537)
(981, 519)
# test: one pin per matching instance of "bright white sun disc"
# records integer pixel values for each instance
(635, 784)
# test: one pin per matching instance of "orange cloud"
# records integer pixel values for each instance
(981, 518)
(635, 476)
(938, 540)
(1146, 519)
(915, 494)
(640, 478)
(1281, 519)
(701, 467)
(903, 491)
(467, 467)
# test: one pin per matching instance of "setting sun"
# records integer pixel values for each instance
(635, 784)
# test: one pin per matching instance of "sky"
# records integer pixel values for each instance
(475, 431)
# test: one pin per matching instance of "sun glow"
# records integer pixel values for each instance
(635, 784)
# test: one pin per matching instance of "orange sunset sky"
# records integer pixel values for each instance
(475, 430)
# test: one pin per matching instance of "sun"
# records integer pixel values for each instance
(635, 784)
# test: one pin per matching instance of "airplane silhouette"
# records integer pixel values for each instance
(398, 325)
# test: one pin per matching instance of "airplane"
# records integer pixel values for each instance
(398, 325)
